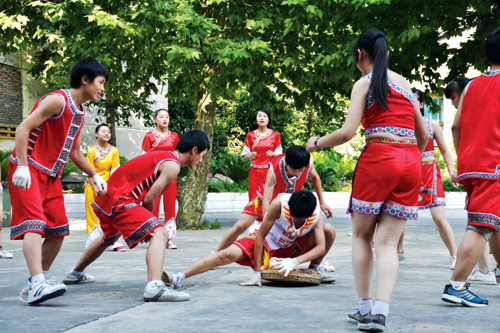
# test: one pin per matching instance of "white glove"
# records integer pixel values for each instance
(100, 183)
(287, 265)
(21, 177)
(256, 280)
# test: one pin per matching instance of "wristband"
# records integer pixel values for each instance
(316, 143)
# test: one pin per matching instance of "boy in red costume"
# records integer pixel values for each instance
(476, 131)
(44, 142)
(127, 209)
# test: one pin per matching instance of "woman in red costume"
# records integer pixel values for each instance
(261, 146)
(386, 181)
(162, 139)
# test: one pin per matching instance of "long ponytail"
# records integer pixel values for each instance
(375, 44)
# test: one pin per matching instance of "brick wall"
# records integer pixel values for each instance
(11, 95)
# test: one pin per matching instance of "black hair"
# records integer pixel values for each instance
(99, 127)
(158, 111)
(297, 157)
(458, 85)
(492, 47)
(420, 97)
(89, 67)
(373, 42)
(191, 139)
(267, 112)
(302, 203)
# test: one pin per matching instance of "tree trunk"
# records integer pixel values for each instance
(193, 193)
(310, 120)
(111, 119)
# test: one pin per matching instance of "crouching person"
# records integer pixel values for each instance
(292, 230)
(127, 209)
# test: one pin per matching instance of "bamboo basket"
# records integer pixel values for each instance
(303, 276)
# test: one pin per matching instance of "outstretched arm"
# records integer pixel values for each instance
(443, 148)
(273, 213)
(316, 181)
(168, 170)
(268, 191)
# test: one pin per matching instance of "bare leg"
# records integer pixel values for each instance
(32, 245)
(237, 229)
(50, 250)
(363, 228)
(495, 246)
(91, 253)
(484, 260)
(389, 230)
(227, 256)
(469, 251)
(155, 255)
(400, 242)
(330, 235)
(445, 229)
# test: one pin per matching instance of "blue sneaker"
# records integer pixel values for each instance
(463, 296)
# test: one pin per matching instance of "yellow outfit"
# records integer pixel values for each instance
(104, 163)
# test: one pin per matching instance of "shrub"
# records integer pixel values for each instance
(448, 186)
(334, 169)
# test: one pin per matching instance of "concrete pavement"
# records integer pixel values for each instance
(218, 304)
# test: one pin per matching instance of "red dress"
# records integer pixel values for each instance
(387, 176)
(478, 154)
(156, 142)
(256, 142)
(40, 208)
(431, 190)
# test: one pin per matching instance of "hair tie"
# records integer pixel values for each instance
(380, 35)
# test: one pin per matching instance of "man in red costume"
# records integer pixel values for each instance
(476, 133)
(44, 142)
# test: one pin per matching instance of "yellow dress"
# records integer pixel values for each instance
(104, 163)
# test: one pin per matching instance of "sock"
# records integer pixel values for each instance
(75, 273)
(380, 307)
(484, 271)
(365, 305)
(45, 272)
(178, 278)
(457, 284)
(36, 280)
(155, 284)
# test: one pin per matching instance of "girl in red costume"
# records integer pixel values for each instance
(261, 146)
(162, 139)
(386, 182)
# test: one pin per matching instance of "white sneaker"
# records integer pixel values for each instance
(162, 293)
(477, 277)
(171, 245)
(4, 254)
(453, 261)
(73, 279)
(325, 278)
(173, 279)
(401, 256)
(50, 282)
(326, 266)
(496, 271)
(45, 291)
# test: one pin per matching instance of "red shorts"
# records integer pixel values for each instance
(40, 208)
(483, 202)
(254, 208)
(133, 223)
(387, 179)
(246, 244)
(431, 190)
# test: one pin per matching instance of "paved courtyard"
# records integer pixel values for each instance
(218, 304)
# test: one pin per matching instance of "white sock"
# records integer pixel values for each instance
(457, 284)
(36, 280)
(365, 305)
(75, 273)
(154, 284)
(380, 307)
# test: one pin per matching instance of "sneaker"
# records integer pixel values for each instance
(326, 266)
(356, 317)
(372, 323)
(453, 261)
(496, 271)
(402, 256)
(477, 277)
(172, 279)
(50, 282)
(325, 278)
(162, 293)
(73, 279)
(4, 254)
(118, 247)
(45, 291)
(171, 245)
(463, 296)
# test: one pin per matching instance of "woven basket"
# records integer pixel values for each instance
(305, 276)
